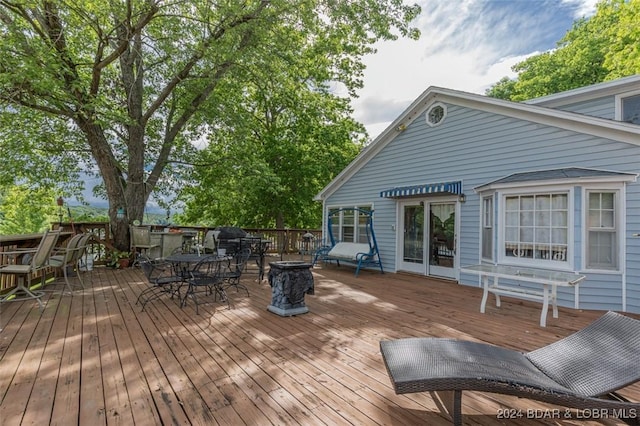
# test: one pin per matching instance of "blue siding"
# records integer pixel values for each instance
(478, 147)
(602, 107)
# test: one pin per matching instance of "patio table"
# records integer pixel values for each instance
(258, 246)
(182, 262)
(549, 279)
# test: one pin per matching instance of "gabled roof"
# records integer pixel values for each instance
(562, 175)
(581, 94)
(609, 129)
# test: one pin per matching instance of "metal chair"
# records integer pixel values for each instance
(206, 277)
(258, 247)
(162, 278)
(234, 269)
(38, 263)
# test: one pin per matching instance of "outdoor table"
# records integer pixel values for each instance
(252, 243)
(182, 261)
(549, 279)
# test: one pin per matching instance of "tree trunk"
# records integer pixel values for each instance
(279, 220)
(126, 200)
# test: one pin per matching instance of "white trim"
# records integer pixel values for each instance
(420, 268)
(618, 102)
(356, 225)
(620, 218)
(581, 94)
(431, 108)
(588, 180)
(492, 214)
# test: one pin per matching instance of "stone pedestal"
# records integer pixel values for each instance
(289, 281)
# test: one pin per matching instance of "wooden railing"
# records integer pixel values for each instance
(284, 241)
(10, 245)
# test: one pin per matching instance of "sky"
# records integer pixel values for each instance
(465, 45)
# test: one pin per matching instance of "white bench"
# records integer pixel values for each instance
(349, 251)
(549, 279)
(360, 254)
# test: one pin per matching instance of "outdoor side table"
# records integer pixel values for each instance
(289, 281)
(550, 280)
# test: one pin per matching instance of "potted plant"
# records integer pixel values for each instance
(119, 259)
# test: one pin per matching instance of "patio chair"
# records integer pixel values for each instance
(580, 371)
(233, 271)
(67, 257)
(205, 277)
(38, 263)
(209, 244)
(141, 241)
(161, 277)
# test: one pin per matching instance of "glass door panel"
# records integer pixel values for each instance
(413, 241)
(442, 237)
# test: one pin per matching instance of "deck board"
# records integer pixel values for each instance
(97, 358)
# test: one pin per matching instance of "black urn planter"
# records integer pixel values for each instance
(289, 281)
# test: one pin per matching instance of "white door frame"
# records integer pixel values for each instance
(418, 268)
(424, 268)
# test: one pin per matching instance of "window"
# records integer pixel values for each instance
(436, 114)
(349, 225)
(487, 228)
(631, 109)
(602, 230)
(536, 227)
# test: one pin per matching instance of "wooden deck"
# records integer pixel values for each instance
(96, 358)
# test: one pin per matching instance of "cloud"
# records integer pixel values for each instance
(465, 45)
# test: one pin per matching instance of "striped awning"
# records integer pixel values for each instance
(426, 189)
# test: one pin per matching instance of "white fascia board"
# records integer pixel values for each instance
(618, 178)
(608, 88)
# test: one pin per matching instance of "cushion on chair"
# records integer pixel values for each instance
(349, 250)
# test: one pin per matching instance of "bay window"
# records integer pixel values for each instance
(536, 227)
(602, 230)
(487, 228)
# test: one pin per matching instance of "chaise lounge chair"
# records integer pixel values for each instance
(580, 371)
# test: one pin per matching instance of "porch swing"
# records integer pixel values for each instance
(363, 255)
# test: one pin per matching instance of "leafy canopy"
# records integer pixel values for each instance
(603, 47)
(126, 90)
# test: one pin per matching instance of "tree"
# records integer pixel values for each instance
(285, 138)
(603, 47)
(125, 85)
(26, 210)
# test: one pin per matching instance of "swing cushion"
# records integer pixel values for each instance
(349, 251)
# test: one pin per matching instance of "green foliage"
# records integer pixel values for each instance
(115, 257)
(127, 90)
(25, 210)
(603, 47)
(283, 141)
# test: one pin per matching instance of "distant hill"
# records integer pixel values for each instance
(98, 214)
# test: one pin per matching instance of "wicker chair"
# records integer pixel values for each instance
(580, 371)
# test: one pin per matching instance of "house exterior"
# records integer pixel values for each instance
(460, 179)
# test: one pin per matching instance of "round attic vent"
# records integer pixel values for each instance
(435, 114)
